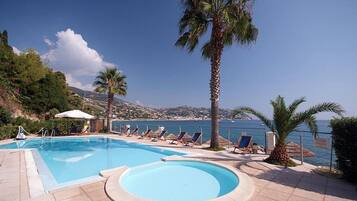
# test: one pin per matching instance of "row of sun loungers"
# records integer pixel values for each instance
(159, 134)
(244, 143)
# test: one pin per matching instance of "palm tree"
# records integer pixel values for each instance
(286, 120)
(110, 81)
(230, 21)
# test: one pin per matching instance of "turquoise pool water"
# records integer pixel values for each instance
(179, 180)
(70, 159)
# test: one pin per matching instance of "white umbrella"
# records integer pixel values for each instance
(75, 114)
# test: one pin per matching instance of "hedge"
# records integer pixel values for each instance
(344, 131)
(5, 116)
(10, 130)
(7, 132)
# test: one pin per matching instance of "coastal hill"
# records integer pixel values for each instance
(127, 110)
(29, 88)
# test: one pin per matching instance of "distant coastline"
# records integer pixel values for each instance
(128, 120)
(177, 119)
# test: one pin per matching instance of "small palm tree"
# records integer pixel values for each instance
(110, 81)
(230, 21)
(286, 120)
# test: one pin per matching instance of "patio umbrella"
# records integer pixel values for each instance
(74, 114)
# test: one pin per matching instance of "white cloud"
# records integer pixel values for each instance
(48, 41)
(16, 51)
(70, 53)
(75, 83)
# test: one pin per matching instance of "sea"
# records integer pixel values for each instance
(232, 129)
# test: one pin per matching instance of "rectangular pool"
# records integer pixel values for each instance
(64, 160)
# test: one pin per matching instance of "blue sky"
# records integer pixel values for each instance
(304, 48)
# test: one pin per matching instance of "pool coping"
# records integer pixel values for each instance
(35, 184)
(243, 191)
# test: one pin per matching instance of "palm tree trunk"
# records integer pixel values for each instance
(217, 39)
(279, 155)
(109, 110)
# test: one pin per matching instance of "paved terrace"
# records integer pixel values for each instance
(272, 183)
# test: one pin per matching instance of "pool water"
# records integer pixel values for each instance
(70, 159)
(179, 180)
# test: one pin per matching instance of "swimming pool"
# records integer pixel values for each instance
(179, 180)
(64, 160)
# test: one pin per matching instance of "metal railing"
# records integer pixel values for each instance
(324, 156)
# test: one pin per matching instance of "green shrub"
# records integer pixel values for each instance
(34, 126)
(7, 132)
(53, 112)
(10, 130)
(5, 116)
(344, 132)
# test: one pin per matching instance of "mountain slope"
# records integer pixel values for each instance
(127, 110)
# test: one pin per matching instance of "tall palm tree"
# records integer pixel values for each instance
(110, 81)
(286, 120)
(230, 21)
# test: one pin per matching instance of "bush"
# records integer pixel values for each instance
(344, 133)
(5, 116)
(7, 132)
(34, 126)
(10, 130)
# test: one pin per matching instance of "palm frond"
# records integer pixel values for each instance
(260, 116)
(234, 15)
(207, 50)
(311, 123)
(110, 80)
(308, 117)
(280, 115)
(295, 104)
(323, 107)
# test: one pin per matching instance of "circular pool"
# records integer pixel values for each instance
(179, 180)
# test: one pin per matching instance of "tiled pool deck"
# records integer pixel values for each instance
(271, 183)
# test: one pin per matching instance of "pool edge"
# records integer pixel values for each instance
(243, 191)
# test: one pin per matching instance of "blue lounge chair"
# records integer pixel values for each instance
(194, 139)
(244, 144)
(178, 138)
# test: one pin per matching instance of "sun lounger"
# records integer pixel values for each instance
(179, 138)
(244, 144)
(125, 131)
(194, 139)
(134, 132)
(161, 136)
(157, 132)
(85, 130)
(145, 134)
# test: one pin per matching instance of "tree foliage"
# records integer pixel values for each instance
(234, 18)
(227, 22)
(36, 86)
(5, 116)
(110, 81)
(286, 119)
(47, 93)
(344, 132)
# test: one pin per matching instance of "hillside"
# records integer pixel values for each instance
(122, 109)
(29, 88)
(127, 110)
